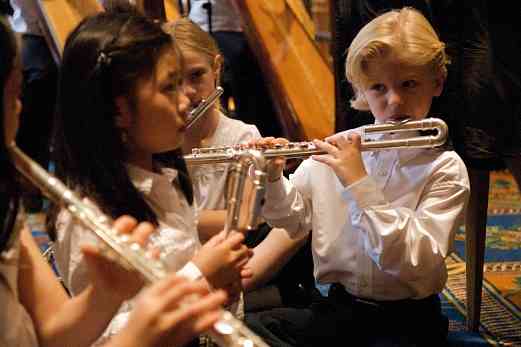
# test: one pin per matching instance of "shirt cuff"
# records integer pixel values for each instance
(276, 205)
(276, 190)
(190, 271)
(364, 192)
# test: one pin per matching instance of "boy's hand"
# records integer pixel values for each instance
(343, 156)
(276, 165)
(221, 259)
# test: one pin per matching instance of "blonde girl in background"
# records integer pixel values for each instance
(203, 64)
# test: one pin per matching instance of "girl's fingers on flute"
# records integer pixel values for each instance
(137, 232)
(125, 224)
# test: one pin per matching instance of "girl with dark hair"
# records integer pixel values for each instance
(119, 108)
(35, 309)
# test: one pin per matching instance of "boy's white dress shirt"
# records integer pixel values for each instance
(386, 236)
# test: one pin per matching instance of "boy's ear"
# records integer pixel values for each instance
(438, 84)
(124, 115)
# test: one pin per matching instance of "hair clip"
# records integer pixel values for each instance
(104, 59)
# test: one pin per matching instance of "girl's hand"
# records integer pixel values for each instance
(246, 272)
(233, 291)
(110, 280)
(235, 288)
(343, 156)
(161, 319)
(221, 259)
(275, 165)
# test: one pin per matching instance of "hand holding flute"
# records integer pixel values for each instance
(157, 318)
(121, 264)
(275, 165)
(342, 151)
(343, 155)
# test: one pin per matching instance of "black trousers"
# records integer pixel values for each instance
(344, 320)
(294, 281)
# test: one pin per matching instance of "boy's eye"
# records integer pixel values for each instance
(409, 84)
(377, 87)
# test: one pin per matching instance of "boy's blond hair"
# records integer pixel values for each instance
(406, 34)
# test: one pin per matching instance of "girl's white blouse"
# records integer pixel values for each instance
(176, 235)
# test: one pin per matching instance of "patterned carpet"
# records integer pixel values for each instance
(501, 307)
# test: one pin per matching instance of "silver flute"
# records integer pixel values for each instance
(292, 150)
(203, 106)
(227, 332)
(244, 203)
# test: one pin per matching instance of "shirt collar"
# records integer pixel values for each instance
(145, 180)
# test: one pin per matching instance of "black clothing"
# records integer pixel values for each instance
(342, 319)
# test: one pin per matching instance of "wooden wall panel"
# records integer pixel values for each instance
(60, 17)
(301, 82)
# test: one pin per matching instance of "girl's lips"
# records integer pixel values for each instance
(399, 117)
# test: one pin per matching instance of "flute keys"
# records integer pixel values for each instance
(246, 343)
(230, 152)
(135, 246)
(223, 327)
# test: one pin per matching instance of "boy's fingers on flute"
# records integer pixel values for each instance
(331, 150)
(349, 140)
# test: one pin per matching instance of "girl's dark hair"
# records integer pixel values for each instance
(104, 57)
(8, 184)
